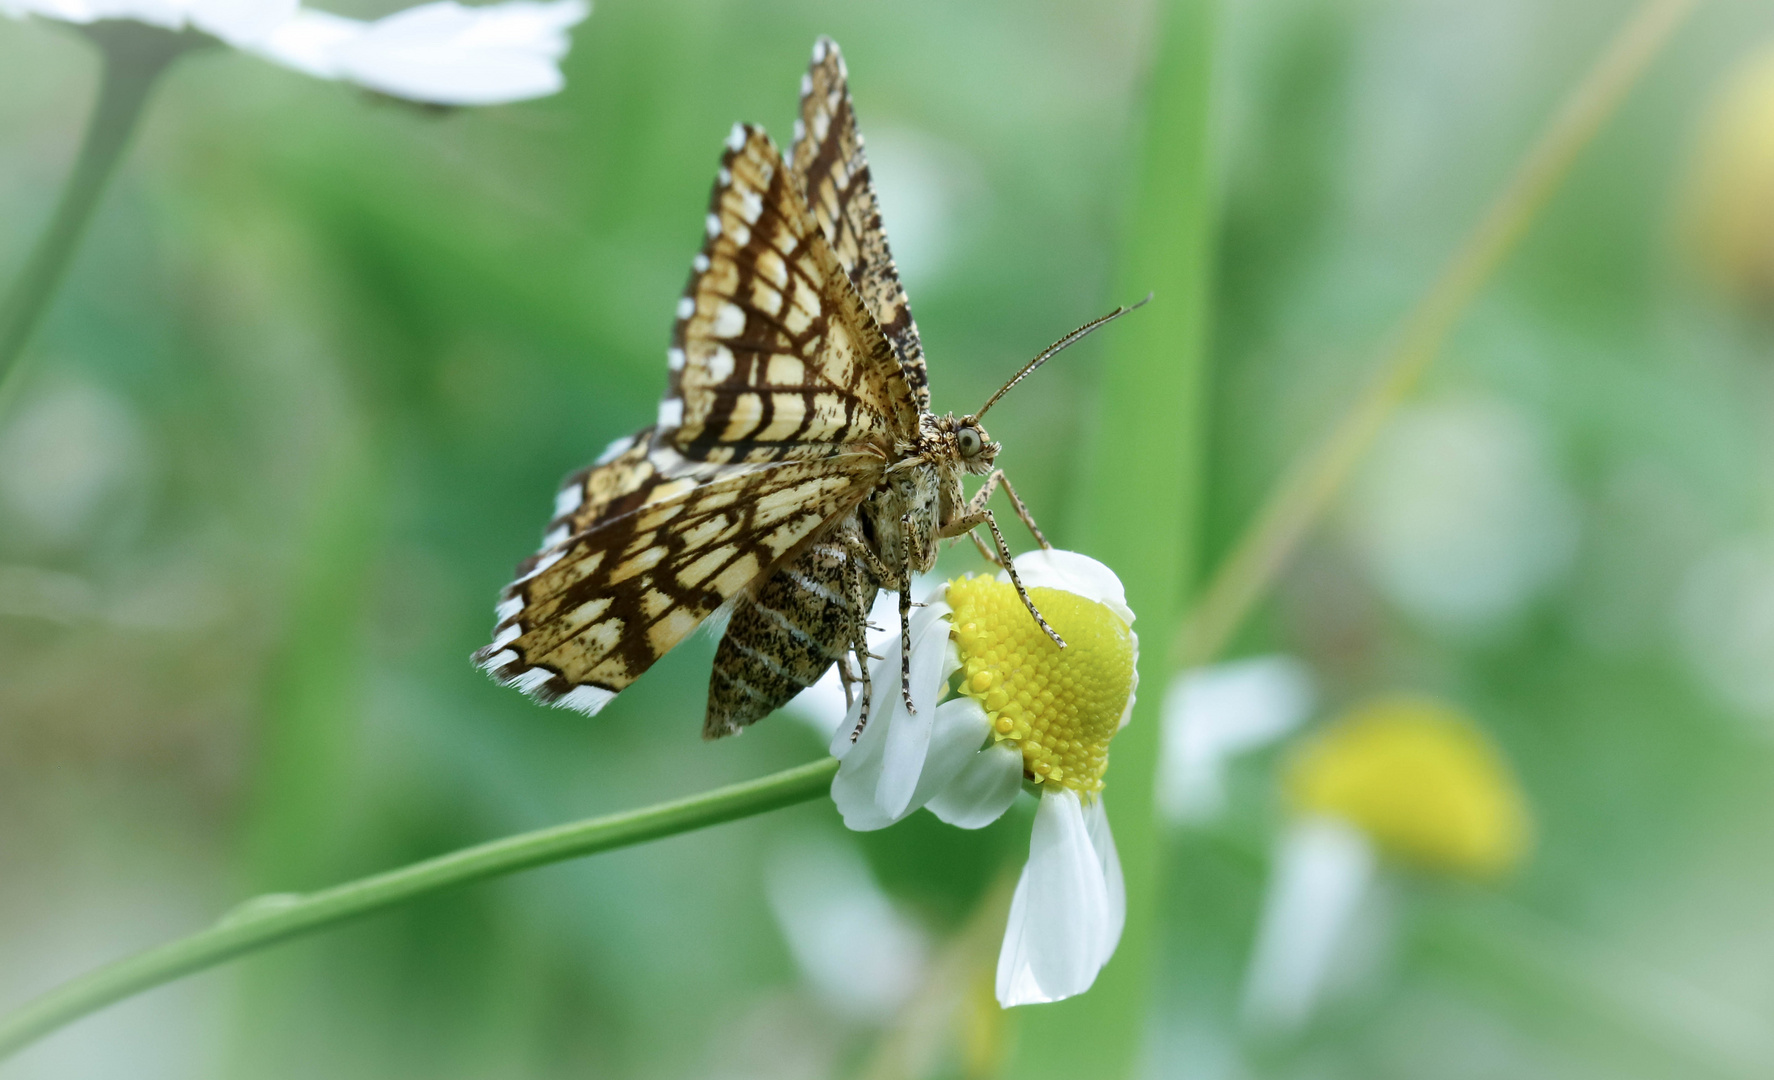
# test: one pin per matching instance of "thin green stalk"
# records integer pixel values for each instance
(1316, 476)
(134, 57)
(268, 920)
(1140, 513)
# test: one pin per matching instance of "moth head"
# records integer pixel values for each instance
(973, 446)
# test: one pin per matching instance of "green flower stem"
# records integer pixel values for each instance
(268, 920)
(1139, 516)
(1315, 478)
(134, 57)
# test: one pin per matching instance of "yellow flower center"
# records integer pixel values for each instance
(1422, 780)
(1060, 707)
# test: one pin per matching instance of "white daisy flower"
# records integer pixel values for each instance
(440, 53)
(998, 706)
(1405, 781)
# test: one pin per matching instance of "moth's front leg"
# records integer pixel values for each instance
(984, 517)
(977, 504)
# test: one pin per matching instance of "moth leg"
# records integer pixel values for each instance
(977, 504)
(905, 619)
(984, 517)
(861, 594)
(870, 560)
(845, 678)
(989, 555)
(1023, 512)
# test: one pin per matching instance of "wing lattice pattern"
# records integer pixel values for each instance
(588, 616)
(834, 172)
(773, 355)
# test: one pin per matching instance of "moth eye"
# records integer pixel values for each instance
(969, 440)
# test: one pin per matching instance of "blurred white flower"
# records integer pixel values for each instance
(966, 758)
(1406, 779)
(860, 952)
(1460, 516)
(70, 462)
(1214, 714)
(1725, 619)
(440, 53)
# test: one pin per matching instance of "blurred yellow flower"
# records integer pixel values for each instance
(1730, 217)
(1420, 778)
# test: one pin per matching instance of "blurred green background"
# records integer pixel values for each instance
(323, 358)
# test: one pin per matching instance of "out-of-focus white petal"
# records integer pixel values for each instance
(985, 788)
(1060, 916)
(934, 659)
(449, 54)
(1323, 868)
(309, 42)
(73, 11)
(855, 946)
(239, 22)
(1214, 714)
(1075, 573)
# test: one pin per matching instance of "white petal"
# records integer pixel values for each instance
(1096, 822)
(982, 791)
(859, 774)
(934, 658)
(310, 41)
(64, 10)
(1060, 917)
(439, 52)
(957, 730)
(240, 22)
(1075, 573)
(1323, 867)
(881, 704)
(1133, 688)
(1214, 714)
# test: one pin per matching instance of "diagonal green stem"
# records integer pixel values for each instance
(271, 919)
(134, 57)
(1311, 483)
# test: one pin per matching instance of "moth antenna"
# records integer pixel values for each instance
(1058, 346)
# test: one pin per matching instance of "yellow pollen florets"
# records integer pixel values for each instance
(1060, 707)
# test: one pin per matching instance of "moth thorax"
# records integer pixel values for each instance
(1059, 707)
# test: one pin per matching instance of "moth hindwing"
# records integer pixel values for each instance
(794, 468)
